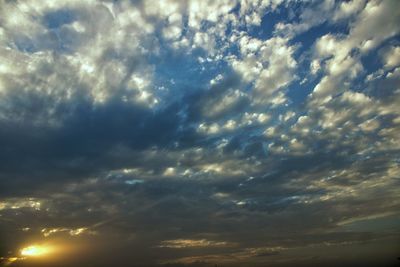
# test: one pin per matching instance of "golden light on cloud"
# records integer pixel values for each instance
(190, 243)
(8, 261)
(71, 231)
(35, 251)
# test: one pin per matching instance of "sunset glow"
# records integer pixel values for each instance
(35, 251)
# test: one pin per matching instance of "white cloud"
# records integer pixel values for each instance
(309, 18)
(378, 21)
(269, 64)
(231, 125)
(370, 125)
(252, 11)
(107, 43)
(347, 9)
(375, 23)
(391, 58)
(224, 104)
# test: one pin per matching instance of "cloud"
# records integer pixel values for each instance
(187, 243)
(310, 16)
(202, 132)
(72, 232)
(391, 58)
(347, 9)
(268, 68)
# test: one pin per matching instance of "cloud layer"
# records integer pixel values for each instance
(174, 133)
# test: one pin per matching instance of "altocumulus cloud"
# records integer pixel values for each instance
(195, 133)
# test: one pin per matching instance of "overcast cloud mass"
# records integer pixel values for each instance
(200, 133)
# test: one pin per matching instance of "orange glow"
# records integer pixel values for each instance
(35, 251)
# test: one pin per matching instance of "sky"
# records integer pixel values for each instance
(199, 133)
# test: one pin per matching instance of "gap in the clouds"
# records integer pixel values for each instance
(390, 221)
(179, 73)
(268, 21)
(373, 64)
(56, 19)
(298, 92)
(308, 38)
(372, 61)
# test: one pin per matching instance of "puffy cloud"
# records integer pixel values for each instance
(252, 10)
(335, 52)
(268, 64)
(87, 65)
(391, 58)
(228, 101)
(377, 22)
(309, 17)
(174, 29)
(346, 9)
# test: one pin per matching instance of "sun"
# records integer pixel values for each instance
(35, 251)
